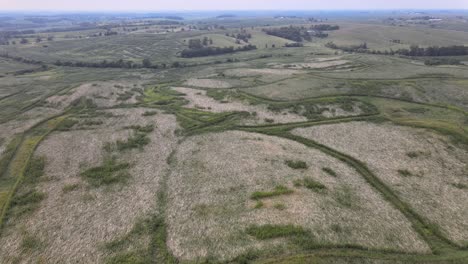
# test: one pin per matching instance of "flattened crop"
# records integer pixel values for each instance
(214, 177)
(424, 169)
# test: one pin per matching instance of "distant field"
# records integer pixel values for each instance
(378, 37)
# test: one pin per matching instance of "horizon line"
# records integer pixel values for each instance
(227, 10)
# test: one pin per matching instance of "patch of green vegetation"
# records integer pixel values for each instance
(195, 121)
(138, 140)
(124, 96)
(258, 205)
(247, 257)
(220, 94)
(314, 108)
(26, 202)
(8, 154)
(279, 190)
(67, 124)
(110, 172)
(70, 187)
(149, 113)
(310, 183)
(405, 173)
(414, 154)
(460, 185)
(416, 110)
(268, 231)
(279, 206)
(329, 171)
(132, 257)
(82, 104)
(142, 129)
(89, 122)
(162, 96)
(296, 164)
(30, 243)
(35, 169)
(345, 196)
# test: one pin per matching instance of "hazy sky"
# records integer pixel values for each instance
(155, 5)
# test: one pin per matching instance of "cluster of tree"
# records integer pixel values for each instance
(21, 59)
(5, 36)
(210, 51)
(121, 64)
(167, 22)
(199, 43)
(353, 48)
(422, 18)
(442, 61)
(103, 64)
(293, 45)
(226, 16)
(413, 51)
(297, 34)
(434, 51)
(110, 33)
(325, 27)
(242, 36)
(125, 29)
(146, 63)
(320, 34)
(75, 28)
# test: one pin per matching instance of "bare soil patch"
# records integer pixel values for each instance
(75, 223)
(423, 168)
(215, 175)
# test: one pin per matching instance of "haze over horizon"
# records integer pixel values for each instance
(211, 5)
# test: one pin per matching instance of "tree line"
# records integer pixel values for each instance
(413, 51)
(210, 51)
(293, 45)
(299, 34)
(146, 63)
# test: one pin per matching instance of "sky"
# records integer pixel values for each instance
(187, 5)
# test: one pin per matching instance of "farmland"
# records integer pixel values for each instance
(115, 148)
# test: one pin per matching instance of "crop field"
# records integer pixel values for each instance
(379, 36)
(233, 139)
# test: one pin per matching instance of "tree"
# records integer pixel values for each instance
(195, 44)
(146, 63)
(24, 41)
